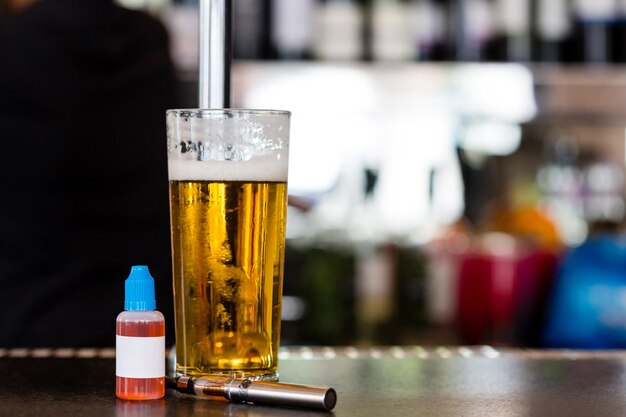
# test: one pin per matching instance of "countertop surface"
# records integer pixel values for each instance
(385, 381)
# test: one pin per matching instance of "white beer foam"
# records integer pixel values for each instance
(265, 168)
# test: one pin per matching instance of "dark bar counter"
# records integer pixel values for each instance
(385, 381)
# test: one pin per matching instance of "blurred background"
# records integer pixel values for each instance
(457, 166)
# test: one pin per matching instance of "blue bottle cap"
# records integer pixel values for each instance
(139, 290)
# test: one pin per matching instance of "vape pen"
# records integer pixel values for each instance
(257, 392)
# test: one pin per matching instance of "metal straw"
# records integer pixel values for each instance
(215, 54)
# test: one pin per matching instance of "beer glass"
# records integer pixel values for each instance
(228, 202)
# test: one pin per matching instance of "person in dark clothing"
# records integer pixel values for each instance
(84, 85)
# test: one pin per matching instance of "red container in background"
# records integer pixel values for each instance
(502, 295)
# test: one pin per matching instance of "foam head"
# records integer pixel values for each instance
(228, 145)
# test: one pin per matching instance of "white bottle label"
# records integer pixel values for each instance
(140, 357)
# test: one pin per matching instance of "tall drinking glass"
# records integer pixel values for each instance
(228, 202)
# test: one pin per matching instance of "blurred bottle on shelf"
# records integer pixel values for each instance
(595, 20)
(391, 34)
(587, 307)
(603, 186)
(338, 30)
(411, 316)
(553, 27)
(579, 188)
(155, 7)
(181, 21)
(553, 31)
(292, 28)
(321, 305)
(445, 252)
(375, 290)
(428, 29)
(514, 30)
(251, 29)
(505, 278)
(471, 29)
(619, 34)
(523, 218)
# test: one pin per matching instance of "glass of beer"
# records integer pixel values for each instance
(228, 202)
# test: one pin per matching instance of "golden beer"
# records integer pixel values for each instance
(228, 246)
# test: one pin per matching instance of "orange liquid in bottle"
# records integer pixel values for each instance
(140, 388)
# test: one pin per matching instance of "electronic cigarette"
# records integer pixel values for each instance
(256, 392)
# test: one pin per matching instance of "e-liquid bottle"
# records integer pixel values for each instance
(140, 341)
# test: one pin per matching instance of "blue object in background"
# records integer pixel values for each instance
(588, 308)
